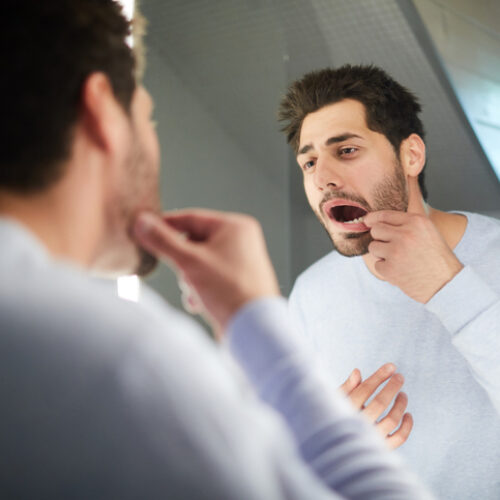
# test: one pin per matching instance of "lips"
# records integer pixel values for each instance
(346, 214)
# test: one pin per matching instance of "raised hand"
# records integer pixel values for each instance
(220, 257)
(396, 426)
(410, 253)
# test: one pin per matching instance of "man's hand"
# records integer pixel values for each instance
(221, 257)
(359, 392)
(411, 253)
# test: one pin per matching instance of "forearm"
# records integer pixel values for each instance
(470, 310)
(337, 444)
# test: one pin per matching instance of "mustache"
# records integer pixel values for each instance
(342, 195)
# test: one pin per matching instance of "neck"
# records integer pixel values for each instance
(63, 217)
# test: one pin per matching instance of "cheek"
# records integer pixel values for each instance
(315, 198)
(153, 147)
(311, 191)
(156, 148)
(363, 179)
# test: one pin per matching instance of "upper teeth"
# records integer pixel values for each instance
(359, 219)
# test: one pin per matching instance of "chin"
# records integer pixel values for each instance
(352, 244)
(124, 261)
(146, 264)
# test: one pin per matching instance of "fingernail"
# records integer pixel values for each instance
(390, 367)
(144, 222)
(398, 377)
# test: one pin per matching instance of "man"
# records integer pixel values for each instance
(108, 399)
(421, 287)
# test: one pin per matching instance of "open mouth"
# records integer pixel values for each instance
(347, 214)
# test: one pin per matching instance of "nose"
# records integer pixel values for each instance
(326, 174)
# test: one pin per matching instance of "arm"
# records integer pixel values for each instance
(134, 405)
(470, 310)
(224, 260)
(411, 254)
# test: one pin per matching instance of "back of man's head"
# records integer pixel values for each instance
(48, 50)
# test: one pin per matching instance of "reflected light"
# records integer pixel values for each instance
(128, 8)
(129, 288)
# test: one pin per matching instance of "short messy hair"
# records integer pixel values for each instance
(49, 48)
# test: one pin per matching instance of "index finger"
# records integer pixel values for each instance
(197, 223)
(392, 217)
(158, 238)
(360, 395)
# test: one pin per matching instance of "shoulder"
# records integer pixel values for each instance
(482, 234)
(480, 221)
(480, 246)
(75, 356)
(60, 307)
(74, 332)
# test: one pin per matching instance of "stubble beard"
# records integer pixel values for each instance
(141, 192)
(389, 194)
(147, 263)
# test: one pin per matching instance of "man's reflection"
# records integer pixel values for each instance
(422, 287)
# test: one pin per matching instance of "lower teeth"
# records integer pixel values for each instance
(354, 221)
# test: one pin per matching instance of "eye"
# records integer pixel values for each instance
(348, 151)
(308, 164)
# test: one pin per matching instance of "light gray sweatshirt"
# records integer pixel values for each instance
(448, 350)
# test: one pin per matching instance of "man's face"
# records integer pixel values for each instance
(133, 186)
(349, 170)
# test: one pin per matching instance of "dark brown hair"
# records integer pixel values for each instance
(48, 50)
(390, 108)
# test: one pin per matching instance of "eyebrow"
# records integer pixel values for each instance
(329, 142)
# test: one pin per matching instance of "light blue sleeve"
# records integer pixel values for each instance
(339, 446)
(295, 309)
(470, 310)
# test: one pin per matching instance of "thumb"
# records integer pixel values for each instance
(351, 383)
(156, 236)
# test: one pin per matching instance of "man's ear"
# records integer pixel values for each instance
(412, 155)
(102, 117)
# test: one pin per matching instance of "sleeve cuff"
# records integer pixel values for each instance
(461, 300)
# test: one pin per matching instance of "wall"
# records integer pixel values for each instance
(203, 166)
(466, 35)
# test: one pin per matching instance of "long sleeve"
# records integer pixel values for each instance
(132, 402)
(295, 310)
(470, 310)
(340, 447)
